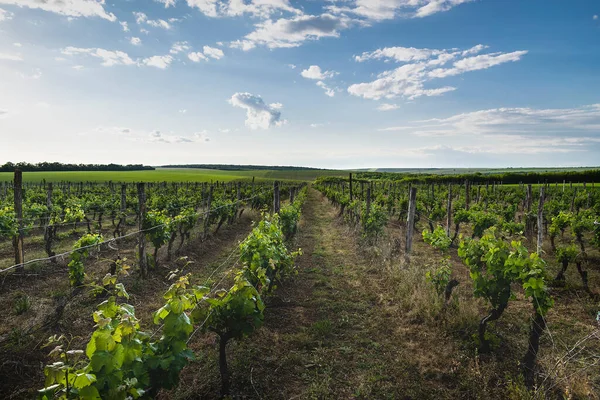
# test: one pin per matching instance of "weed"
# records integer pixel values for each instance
(21, 303)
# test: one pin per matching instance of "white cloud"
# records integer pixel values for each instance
(207, 52)
(514, 130)
(197, 57)
(136, 41)
(161, 62)
(316, 125)
(159, 137)
(124, 25)
(595, 17)
(159, 23)
(328, 91)
(378, 10)
(558, 121)
(224, 130)
(213, 52)
(292, 66)
(422, 66)
(314, 72)
(179, 47)
(436, 6)
(508, 131)
(400, 54)
(155, 136)
(17, 45)
(141, 18)
(78, 67)
(231, 8)
(388, 107)
(109, 58)
(3, 113)
(70, 8)
(182, 111)
(294, 31)
(10, 57)
(167, 3)
(5, 15)
(475, 63)
(258, 114)
(411, 54)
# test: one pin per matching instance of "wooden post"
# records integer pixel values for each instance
(276, 205)
(207, 213)
(292, 194)
(238, 199)
(368, 205)
(123, 211)
(410, 219)
(48, 230)
(467, 194)
(18, 240)
(449, 211)
(540, 222)
(142, 235)
(528, 198)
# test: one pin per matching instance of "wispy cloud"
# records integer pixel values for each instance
(514, 130)
(5, 15)
(70, 8)
(10, 57)
(109, 58)
(142, 18)
(421, 66)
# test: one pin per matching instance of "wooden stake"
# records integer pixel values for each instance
(540, 222)
(276, 204)
(48, 230)
(449, 210)
(350, 179)
(410, 220)
(18, 240)
(142, 235)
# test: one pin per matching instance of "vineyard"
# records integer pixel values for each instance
(358, 287)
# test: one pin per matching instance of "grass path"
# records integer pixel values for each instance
(331, 332)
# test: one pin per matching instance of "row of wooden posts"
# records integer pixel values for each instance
(141, 192)
(412, 205)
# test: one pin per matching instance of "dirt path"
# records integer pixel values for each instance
(330, 332)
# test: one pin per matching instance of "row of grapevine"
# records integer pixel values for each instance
(56, 211)
(121, 361)
(492, 228)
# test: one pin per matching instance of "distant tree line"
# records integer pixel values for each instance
(505, 177)
(56, 166)
(230, 167)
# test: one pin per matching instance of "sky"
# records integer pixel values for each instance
(330, 84)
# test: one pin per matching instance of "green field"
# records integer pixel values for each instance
(483, 171)
(171, 175)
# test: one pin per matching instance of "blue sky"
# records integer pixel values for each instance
(337, 84)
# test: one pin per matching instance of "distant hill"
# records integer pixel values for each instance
(231, 167)
(483, 171)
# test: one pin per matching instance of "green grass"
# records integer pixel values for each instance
(171, 175)
(484, 171)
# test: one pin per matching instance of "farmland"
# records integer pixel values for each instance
(341, 286)
(171, 175)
